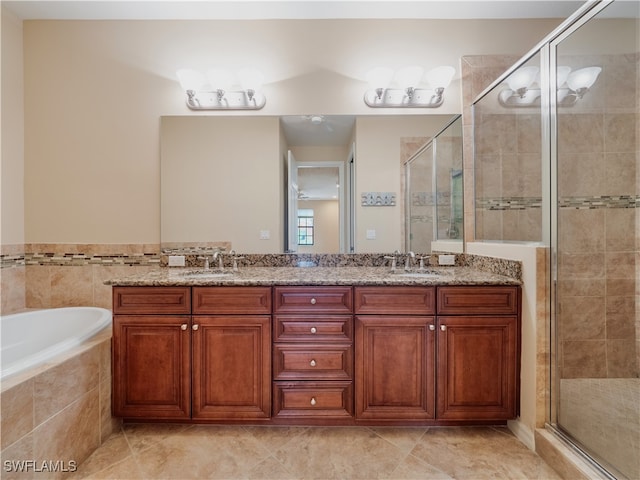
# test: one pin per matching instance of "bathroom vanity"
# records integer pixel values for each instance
(329, 346)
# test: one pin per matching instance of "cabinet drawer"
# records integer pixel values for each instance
(471, 300)
(395, 300)
(317, 399)
(312, 362)
(232, 300)
(325, 328)
(151, 300)
(312, 300)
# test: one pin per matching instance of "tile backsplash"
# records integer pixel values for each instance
(63, 275)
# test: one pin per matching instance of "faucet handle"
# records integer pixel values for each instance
(394, 260)
(422, 259)
(235, 261)
(206, 261)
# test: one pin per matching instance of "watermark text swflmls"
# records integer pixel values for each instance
(38, 466)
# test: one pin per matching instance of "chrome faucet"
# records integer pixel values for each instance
(407, 263)
(218, 255)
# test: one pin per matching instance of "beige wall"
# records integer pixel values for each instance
(12, 132)
(220, 181)
(95, 92)
(378, 169)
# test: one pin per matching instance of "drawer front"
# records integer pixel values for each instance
(312, 300)
(232, 300)
(151, 300)
(325, 328)
(498, 300)
(312, 362)
(395, 300)
(316, 399)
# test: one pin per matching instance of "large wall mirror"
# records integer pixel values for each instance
(433, 193)
(269, 184)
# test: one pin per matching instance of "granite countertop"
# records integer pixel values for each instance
(171, 276)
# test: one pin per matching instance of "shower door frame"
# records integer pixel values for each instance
(550, 128)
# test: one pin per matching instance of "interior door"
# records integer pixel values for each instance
(291, 221)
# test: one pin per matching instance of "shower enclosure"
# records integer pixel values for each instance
(560, 166)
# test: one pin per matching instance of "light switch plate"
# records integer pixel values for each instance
(176, 260)
(371, 234)
(265, 234)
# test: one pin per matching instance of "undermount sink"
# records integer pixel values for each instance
(420, 274)
(205, 274)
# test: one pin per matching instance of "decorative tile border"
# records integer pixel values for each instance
(193, 258)
(604, 201)
(81, 259)
(524, 203)
(508, 203)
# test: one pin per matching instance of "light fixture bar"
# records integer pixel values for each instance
(236, 100)
(396, 97)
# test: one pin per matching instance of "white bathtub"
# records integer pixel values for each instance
(31, 338)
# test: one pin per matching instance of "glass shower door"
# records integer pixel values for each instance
(597, 321)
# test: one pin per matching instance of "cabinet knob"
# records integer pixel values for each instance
(313, 301)
(432, 327)
(195, 327)
(313, 330)
(312, 363)
(443, 328)
(183, 326)
(313, 401)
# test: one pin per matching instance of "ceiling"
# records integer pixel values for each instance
(289, 9)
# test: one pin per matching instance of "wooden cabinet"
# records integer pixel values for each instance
(231, 353)
(331, 355)
(395, 353)
(478, 362)
(212, 366)
(457, 362)
(151, 352)
(313, 354)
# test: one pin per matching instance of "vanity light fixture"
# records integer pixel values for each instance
(408, 87)
(524, 86)
(221, 90)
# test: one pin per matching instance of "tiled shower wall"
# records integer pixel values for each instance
(598, 322)
(64, 275)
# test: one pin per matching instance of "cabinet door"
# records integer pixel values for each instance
(395, 367)
(477, 368)
(151, 367)
(232, 367)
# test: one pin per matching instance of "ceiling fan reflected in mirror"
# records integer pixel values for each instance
(318, 129)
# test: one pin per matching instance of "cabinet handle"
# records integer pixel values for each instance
(313, 330)
(195, 327)
(183, 326)
(312, 363)
(443, 328)
(313, 401)
(313, 301)
(432, 327)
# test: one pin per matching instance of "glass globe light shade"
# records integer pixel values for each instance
(522, 78)
(583, 78)
(379, 77)
(440, 77)
(190, 79)
(409, 77)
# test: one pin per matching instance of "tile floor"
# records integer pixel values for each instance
(160, 451)
(604, 415)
